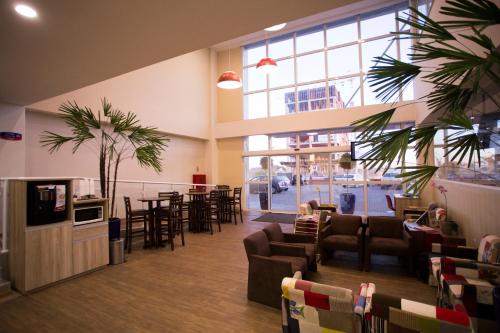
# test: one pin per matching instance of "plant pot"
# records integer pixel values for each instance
(347, 202)
(114, 224)
(449, 228)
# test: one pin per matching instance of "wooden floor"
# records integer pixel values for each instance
(197, 288)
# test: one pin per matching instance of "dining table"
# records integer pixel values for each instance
(154, 233)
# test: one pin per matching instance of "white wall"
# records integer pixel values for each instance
(173, 95)
(12, 153)
(182, 158)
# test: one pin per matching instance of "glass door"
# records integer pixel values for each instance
(314, 178)
(348, 185)
(257, 189)
(283, 194)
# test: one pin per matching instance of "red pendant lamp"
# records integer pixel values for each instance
(229, 79)
(267, 65)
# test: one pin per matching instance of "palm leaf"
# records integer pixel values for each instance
(53, 141)
(472, 13)
(449, 97)
(424, 138)
(427, 27)
(417, 177)
(390, 76)
(372, 125)
(386, 148)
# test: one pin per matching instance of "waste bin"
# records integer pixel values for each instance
(116, 252)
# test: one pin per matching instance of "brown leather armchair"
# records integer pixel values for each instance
(345, 233)
(386, 235)
(275, 235)
(268, 264)
(314, 206)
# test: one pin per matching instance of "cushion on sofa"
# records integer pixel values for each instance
(341, 242)
(345, 224)
(274, 233)
(391, 246)
(298, 263)
(257, 243)
(489, 249)
(385, 226)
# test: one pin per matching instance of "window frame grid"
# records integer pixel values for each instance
(361, 74)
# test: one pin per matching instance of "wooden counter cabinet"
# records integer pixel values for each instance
(90, 247)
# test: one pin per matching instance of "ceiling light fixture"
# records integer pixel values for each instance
(25, 11)
(276, 27)
(229, 79)
(267, 65)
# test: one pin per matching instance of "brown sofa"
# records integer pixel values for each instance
(275, 235)
(386, 235)
(345, 233)
(268, 264)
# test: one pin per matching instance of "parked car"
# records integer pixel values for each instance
(349, 178)
(259, 184)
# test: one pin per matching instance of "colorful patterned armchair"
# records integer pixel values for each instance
(465, 278)
(392, 314)
(312, 307)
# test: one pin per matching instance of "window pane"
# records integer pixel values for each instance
(409, 92)
(256, 105)
(345, 93)
(377, 202)
(439, 138)
(404, 46)
(256, 181)
(254, 80)
(313, 139)
(282, 101)
(257, 143)
(282, 193)
(343, 61)
(376, 48)
(281, 47)
(341, 34)
(378, 25)
(404, 15)
(284, 75)
(311, 67)
(284, 141)
(343, 137)
(310, 40)
(314, 180)
(312, 97)
(253, 53)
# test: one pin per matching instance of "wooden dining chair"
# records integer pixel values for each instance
(173, 220)
(213, 211)
(166, 195)
(235, 201)
(134, 217)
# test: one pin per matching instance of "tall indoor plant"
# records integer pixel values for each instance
(116, 135)
(460, 62)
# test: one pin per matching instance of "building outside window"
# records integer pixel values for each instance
(323, 67)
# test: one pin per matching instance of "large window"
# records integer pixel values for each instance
(323, 67)
(315, 172)
(487, 126)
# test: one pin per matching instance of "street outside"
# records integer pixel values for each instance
(286, 200)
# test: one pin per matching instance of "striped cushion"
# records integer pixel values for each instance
(489, 249)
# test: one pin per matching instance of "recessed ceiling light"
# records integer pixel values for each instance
(276, 27)
(26, 11)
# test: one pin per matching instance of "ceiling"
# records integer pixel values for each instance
(80, 42)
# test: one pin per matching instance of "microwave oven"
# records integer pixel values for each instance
(88, 214)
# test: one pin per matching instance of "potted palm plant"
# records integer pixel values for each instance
(458, 59)
(347, 200)
(116, 135)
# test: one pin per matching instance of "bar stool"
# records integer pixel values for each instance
(135, 216)
(173, 219)
(212, 210)
(235, 200)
